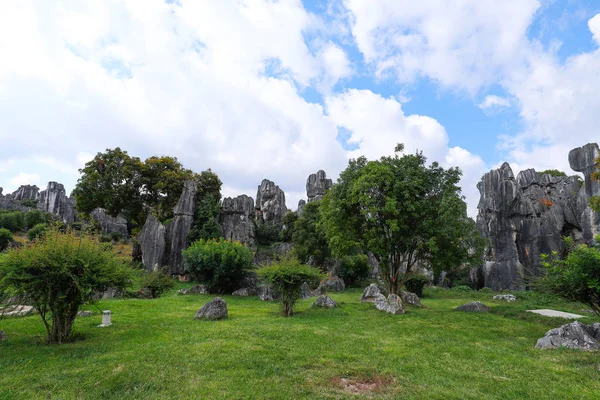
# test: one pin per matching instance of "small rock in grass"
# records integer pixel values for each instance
(305, 291)
(3, 336)
(214, 310)
(505, 297)
(85, 313)
(411, 298)
(475, 306)
(244, 292)
(16, 311)
(334, 284)
(370, 294)
(198, 289)
(392, 304)
(572, 336)
(324, 301)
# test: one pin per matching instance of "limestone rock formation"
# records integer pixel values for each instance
(573, 336)
(582, 159)
(411, 298)
(392, 304)
(110, 224)
(324, 301)
(333, 284)
(305, 291)
(317, 185)
(54, 200)
(475, 306)
(301, 204)
(178, 229)
(270, 204)
(237, 220)
(26, 192)
(523, 218)
(244, 292)
(214, 310)
(196, 289)
(152, 243)
(370, 294)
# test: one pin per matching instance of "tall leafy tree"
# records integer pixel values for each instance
(208, 208)
(308, 236)
(402, 211)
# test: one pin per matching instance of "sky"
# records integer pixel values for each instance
(279, 89)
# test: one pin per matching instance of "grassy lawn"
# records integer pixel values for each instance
(156, 350)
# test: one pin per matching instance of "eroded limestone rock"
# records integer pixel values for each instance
(475, 306)
(575, 335)
(237, 220)
(324, 301)
(214, 310)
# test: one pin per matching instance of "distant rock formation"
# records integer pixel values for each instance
(54, 200)
(110, 224)
(317, 185)
(152, 244)
(26, 192)
(237, 220)
(528, 216)
(270, 204)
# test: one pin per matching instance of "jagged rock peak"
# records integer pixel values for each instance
(54, 200)
(26, 192)
(237, 219)
(317, 185)
(187, 201)
(270, 203)
(241, 204)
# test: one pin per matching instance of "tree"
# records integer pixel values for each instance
(6, 238)
(112, 181)
(57, 274)
(403, 212)
(287, 276)
(288, 221)
(208, 208)
(309, 238)
(576, 277)
(553, 172)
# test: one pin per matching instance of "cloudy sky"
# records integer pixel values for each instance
(278, 89)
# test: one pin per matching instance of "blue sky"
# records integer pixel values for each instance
(280, 89)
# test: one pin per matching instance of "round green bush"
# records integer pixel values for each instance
(462, 288)
(157, 282)
(37, 231)
(220, 264)
(105, 239)
(416, 283)
(6, 238)
(287, 276)
(485, 290)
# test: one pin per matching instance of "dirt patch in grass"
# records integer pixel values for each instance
(364, 385)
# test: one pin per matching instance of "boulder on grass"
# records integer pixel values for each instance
(267, 293)
(572, 336)
(411, 298)
(505, 297)
(85, 313)
(213, 310)
(244, 292)
(324, 301)
(371, 293)
(334, 284)
(392, 304)
(197, 289)
(305, 291)
(475, 306)
(16, 311)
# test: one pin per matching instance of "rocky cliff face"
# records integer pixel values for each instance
(54, 200)
(152, 244)
(582, 159)
(26, 192)
(110, 224)
(237, 220)
(527, 216)
(317, 185)
(270, 204)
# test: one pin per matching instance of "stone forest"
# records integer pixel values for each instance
(394, 290)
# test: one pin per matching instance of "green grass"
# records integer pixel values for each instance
(156, 350)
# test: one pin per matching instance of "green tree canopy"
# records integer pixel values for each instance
(308, 236)
(402, 211)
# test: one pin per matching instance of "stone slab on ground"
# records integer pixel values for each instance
(555, 313)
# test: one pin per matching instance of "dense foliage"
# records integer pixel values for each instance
(308, 236)
(208, 208)
(157, 282)
(404, 213)
(14, 221)
(58, 273)
(36, 231)
(122, 184)
(6, 238)
(287, 276)
(576, 277)
(415, 284)
(553, 172)
(289, 221)
(354, 269)
(220, 264)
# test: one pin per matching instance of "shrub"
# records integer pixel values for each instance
(116, 236)
(76, 226)
(287, 277)
(575, 278)
(34, 217)
(29, 203)
(58, 273)
(6, 238)
(354, 269)
(267, 233)
(462, 288)
(105, 239)
(157, 282)
(220, 264)
(12, 220)
(416, 283)
(485, 290)
(37, 231)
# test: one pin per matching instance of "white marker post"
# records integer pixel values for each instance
(105, 319)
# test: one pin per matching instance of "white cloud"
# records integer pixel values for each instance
(493, 101)
(594, 25)
(25, 179)
(465, 45)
